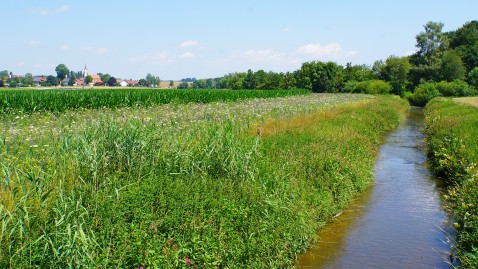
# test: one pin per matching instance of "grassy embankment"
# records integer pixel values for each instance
(221, 185)
(452, 134)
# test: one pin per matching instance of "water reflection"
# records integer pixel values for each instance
(398, 222)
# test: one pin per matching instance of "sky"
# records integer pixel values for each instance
(176, 39)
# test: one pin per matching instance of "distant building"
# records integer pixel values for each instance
(37, 80)
(96, 79)
(65, 81)
(128, 82)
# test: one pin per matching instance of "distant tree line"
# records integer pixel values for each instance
(441, 57)
(443, 62)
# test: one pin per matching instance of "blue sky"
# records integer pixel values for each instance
(175, 39)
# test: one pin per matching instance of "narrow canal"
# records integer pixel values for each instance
(398, 222)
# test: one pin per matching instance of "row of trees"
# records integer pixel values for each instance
(440, 56)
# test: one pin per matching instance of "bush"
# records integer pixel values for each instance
(424, 93)
(455, 88)
(368, 87)
(473, 77)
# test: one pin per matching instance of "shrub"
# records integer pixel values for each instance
(455, 88)
(473, 77)
(368, 87)
(424, 93)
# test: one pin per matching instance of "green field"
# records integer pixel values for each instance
(452, 132)
(28, 101)
(241, 184)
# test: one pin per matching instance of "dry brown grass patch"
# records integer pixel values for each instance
(473, 101)
(276, 126)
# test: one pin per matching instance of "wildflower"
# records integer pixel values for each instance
(188, 261)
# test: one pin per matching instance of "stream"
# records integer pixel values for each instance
(399, 221)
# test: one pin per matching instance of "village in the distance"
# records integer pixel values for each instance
(83, 78)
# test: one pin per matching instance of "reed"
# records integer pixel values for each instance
(182, 186)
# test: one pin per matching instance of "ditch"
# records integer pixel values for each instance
(399, 221)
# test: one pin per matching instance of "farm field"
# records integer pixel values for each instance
(467, 100)
(60, 100)
(186, 184)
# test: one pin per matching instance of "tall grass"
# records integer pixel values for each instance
(452, 132)
(60, 100)
(132, 190)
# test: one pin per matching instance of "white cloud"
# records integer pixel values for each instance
(409, 52)
(65, 47)
(330, 51)
(267, 59)
(286, 29)
(257, 56)
(95, 50)
(44, 66)
(50, 11)
(34, 43)
(186, 55)
(155, 58)
(351, 53)
(188, 44)
(102, 50)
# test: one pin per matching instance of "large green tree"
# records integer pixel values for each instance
(357, 72)
(27, 80)
(465, 42)
(111, 81)
(452, 67)
(472, 77)
(88, 79)
(395, 72)
(152, 81)
(321, 77)
(431, 45)
(52, 80)
(4, 74)
(62, 71)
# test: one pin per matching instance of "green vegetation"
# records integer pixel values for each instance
(60, 100)
(452, 131)
(427, 91)
(368, 87)
(218, 185)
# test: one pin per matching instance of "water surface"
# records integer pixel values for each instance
(399, 222)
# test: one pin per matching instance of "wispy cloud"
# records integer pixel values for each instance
(186, 55)
(286, 29)
(34, 43)
(265, 55)
(102, 50)
(65, 47)
(188, 44)
(330, 51)
(50, 11)
(267, 59)
(95, 50)
(154, 58)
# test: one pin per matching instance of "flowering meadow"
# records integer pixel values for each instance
(241, 184)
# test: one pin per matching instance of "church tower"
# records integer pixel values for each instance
(85, 72)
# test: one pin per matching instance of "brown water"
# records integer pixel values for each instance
(398, 222)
